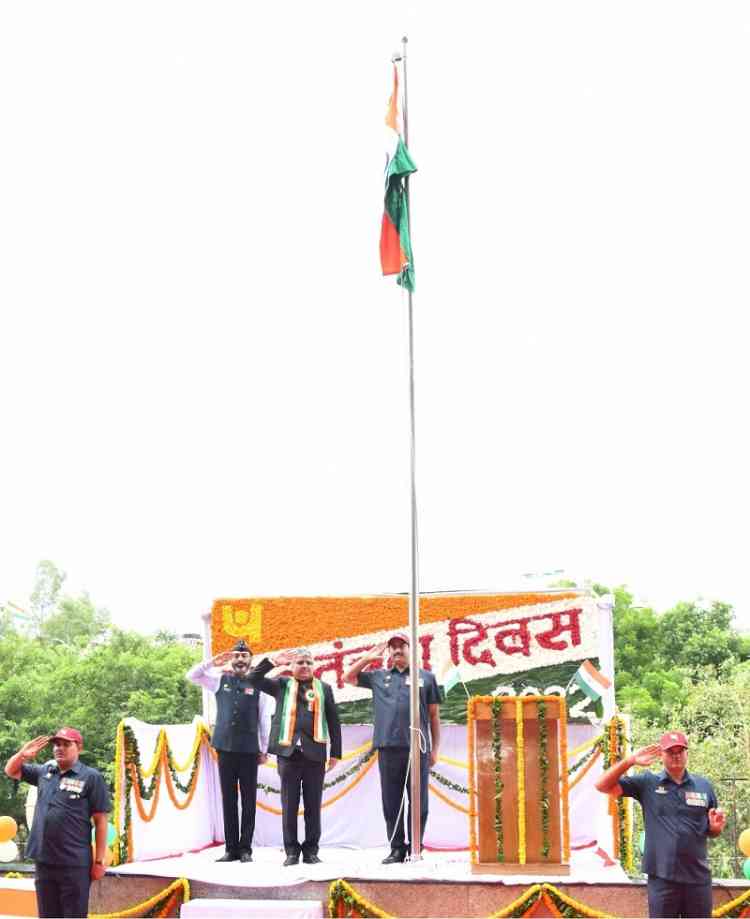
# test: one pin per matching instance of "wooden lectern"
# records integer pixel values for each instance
(500, 728)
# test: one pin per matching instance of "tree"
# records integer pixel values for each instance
(76, 622)
(48, 582)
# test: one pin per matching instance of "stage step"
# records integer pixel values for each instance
(290, 909)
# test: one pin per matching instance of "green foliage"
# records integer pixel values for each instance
(660, 657)
(90, 687)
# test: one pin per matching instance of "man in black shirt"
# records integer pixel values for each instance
(70, 797)
(306, 718)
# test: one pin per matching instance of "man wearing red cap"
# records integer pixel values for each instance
(680, 812)
(392, 733)
(70, 797)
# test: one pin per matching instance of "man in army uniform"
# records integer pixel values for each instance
(240, 737)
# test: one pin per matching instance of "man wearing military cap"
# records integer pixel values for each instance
(70, 797)
(240, 737)
(392, 737)
(680, 812)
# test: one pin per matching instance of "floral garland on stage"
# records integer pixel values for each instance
(344, 901)
(164, 769)
(495, 703)
(497, 754)
(614, 749)
(164, 903)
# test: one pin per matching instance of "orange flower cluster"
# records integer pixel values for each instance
(272, 623)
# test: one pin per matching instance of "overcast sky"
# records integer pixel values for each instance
(204, 377)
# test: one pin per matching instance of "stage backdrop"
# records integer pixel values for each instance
(502, 644)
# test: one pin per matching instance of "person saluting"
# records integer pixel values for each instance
(71, 796)
(680, 812)
(240, 737)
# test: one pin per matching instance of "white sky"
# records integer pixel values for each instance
(204, 377)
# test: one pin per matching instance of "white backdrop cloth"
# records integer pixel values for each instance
(354, 819)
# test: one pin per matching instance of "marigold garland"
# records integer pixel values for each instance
(178, 888)
(544, 797)
(470, 729)
(734, 908)
(343, 899)
(591, 760)
(521, 767)
(497, 752)
(447, 800)
(562, 736)
(357, 779)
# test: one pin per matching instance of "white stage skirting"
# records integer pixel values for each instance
(267, 870)
(286, 909)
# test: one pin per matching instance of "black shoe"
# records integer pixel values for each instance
(397, 855)
(291, 860)
(229, 857)
(246, 857)
(311, 859)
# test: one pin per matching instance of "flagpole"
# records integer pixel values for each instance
(414, 754)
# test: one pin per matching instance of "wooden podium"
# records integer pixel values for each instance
(509, 834)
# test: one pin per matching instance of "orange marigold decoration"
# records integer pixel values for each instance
(565, 790)
(271, 623)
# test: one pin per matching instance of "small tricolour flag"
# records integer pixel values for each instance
(395, 242)
(591, 681)
(451, 678)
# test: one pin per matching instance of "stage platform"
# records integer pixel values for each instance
(441, 885)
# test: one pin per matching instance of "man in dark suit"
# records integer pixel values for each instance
(306, 719)
(240, 737)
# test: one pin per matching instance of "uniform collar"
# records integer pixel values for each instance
(664, 776)
(395, 669)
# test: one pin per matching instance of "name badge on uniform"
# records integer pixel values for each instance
(249, 691)
(421, 681)
(660, 790)
(227, 688)
(696, 798)
(74, 785)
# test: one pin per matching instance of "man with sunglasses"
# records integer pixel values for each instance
(71, 796)
(240, 737)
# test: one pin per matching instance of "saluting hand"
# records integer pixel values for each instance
(647, 755)
(376, 653)
(222, 658)
(716, 820)
(29, 750)
(283, 659)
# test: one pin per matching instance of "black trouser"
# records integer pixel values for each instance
(62, 890)
(297, 771)
(242, 768)
(393, 763)
(668, 899)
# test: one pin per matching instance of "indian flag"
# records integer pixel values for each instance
(591, 681)
(395, 244)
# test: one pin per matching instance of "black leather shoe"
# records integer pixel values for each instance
(311, 859)
(246, 857)
(229, 857)
(291, 860)
(397, 855)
